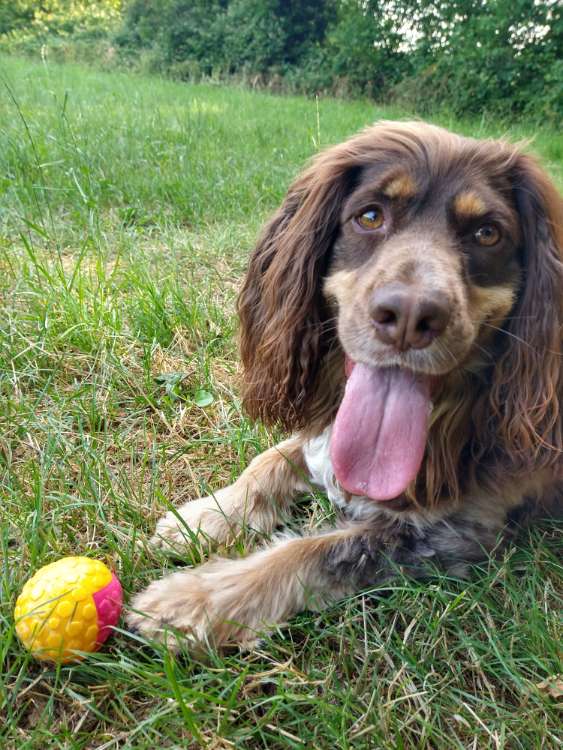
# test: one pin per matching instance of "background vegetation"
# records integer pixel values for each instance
(128, 206)
(501, 56)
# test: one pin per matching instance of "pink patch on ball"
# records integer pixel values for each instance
(109, 602)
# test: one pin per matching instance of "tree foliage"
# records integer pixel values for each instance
(229, 35)
(470, 55)
(61, 17)
(496, 54)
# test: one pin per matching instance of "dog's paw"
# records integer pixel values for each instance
(204, 522)
(171, 609)
(201, 608)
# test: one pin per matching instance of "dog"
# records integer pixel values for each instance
(402, 319)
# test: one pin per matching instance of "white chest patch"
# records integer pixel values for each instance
(317, 457)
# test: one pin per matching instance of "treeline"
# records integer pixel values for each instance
(502, 56)
(25, 22)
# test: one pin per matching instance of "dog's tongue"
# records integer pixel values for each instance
(380, 431)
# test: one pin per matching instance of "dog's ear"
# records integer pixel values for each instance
(528, 381)
(283, 314)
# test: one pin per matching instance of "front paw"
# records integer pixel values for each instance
(171, 609)
(202, 522)
(216, 605)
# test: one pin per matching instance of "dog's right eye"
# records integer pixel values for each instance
(487, 235)
(373, 218)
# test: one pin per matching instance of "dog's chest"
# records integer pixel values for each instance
(317, 457)
(316, 452)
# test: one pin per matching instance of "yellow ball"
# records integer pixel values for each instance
(68, 606)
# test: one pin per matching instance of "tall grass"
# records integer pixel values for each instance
(128, 207)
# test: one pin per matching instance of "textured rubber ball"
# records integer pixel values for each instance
(68, 607)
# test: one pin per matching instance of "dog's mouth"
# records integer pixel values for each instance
(381, 428)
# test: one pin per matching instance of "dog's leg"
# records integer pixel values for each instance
(231, 601)
(254, 502)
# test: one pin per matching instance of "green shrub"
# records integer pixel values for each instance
(363, 50)
(501, 55)
(62, 29)
(58, 17)
(471, 56)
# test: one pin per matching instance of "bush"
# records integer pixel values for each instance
(364, 49)
(502, 56)
(66, 28)
(235, 36)
(58, 17)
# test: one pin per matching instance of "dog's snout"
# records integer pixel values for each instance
(406, 318)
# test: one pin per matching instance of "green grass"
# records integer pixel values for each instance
(128, 208)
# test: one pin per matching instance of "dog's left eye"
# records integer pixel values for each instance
(371, 219)
(487, 235)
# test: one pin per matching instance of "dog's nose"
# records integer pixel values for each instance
(407, 318)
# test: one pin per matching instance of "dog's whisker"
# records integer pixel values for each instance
(509, 333)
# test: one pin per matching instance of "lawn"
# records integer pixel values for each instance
(128, 207)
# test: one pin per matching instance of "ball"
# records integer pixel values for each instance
(68, 606)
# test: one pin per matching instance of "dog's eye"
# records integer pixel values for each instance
(371, 219)
(487, 235)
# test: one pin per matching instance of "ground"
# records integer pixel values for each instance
(128, 207)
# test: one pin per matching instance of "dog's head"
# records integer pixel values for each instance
(418, 255)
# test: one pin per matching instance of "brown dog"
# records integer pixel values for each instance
(402, 315)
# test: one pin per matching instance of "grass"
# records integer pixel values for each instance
(128, 207)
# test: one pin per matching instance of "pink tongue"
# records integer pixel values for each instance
(380, 431)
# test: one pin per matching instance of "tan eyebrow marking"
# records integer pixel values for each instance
(402, 186)
(468, 204)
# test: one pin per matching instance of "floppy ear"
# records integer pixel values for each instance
(283, 315)
(527, 389)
